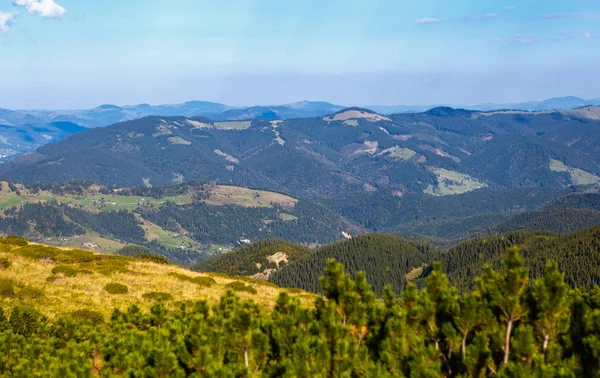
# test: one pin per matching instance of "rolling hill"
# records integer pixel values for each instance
(184, 223)
(440, 152)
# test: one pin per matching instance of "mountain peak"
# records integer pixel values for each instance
(445, 111)
(356, 113)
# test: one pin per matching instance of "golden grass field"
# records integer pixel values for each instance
(61, 294)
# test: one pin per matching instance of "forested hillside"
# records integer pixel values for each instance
(386, 260)
(185, 223)
(510, 326)
(260, 259)
(577, 255)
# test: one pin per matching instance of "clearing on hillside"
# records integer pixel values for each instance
(451, 182)
(578, 176)
(234, 195)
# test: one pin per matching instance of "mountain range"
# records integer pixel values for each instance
(24, 137)
(439, 152)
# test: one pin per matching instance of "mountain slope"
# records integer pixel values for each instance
(259, 260)
(386, 259)
(440, 152)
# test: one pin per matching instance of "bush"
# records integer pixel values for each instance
(203, 281)
(4, 263)
(110, 266)
(152, 258)
(116, 288)
(158, 296)
(7, 289)
(240, 286)
(65, 270)
(30, 292)
(14, 240)
(24, 320)
(88, 316)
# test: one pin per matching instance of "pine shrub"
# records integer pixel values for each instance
(88, 316)
(158, 296)
(7, 289)
(30, 292)
(203, 281)
(24, 320)
(240, 286)
(116, 288)
(65, 270)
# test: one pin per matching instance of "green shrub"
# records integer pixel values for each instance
(14, 240)
(203, 281)
(158, 296)
(116, 288)
(111, 266)
(240, 286)
(152, 258)
(72, 256)
(30, 292)
(4, 263)
(88, 316)
(7, 289)
(24, 320)
(65, 270)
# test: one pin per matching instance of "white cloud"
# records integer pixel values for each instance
(524, 38)
(427, 20)
(587, 34)
(495, 40)
(486, 15)
(6, 20)
(44, 8)
(584, 16)
(509, 9)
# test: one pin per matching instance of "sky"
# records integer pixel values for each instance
(62, 54)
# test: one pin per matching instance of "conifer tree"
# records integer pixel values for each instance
(550, 309)
(503, 291)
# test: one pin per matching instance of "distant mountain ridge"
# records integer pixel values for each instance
(108, 114)
(25, 139)
(440, 152)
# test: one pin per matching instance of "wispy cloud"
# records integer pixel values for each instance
(5, 20)
(486, 15)
(585, 16)
(587, 34)
(524, 38)
(495, 40)
(509, 9)
(427, 20)
(44, 8)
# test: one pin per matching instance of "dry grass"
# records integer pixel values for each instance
(233, 195)
(356, 114)
(85, 290)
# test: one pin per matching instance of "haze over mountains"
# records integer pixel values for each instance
(26, 130)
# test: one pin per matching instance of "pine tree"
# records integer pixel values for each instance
(503, 291)
(550, 310)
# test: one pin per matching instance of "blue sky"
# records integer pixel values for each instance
(81, 53)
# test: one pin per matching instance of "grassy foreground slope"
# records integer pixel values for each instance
(59, 281)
